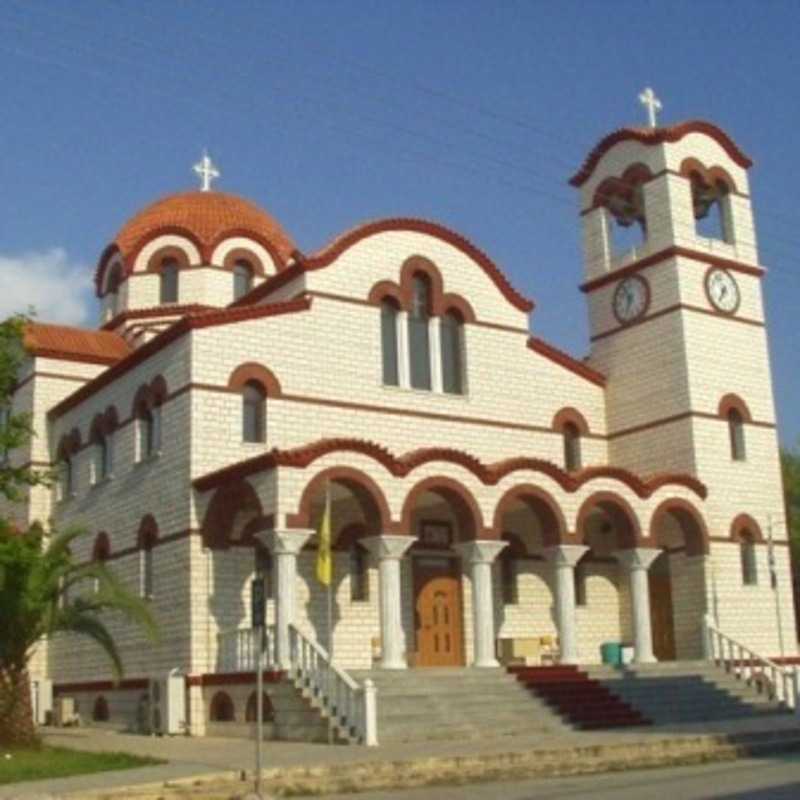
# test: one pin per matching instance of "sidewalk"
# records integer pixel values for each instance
(224, 760)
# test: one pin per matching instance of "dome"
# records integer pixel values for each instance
(205, 217)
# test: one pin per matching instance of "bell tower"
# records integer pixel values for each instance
(676, 313)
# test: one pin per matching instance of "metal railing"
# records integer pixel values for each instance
(350, 707)
(777, 682)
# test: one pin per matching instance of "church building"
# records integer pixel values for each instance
(488, 492)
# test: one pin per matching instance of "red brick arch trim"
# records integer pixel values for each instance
(178, 254)
(488, 474)
(551, 517)
(621, 513)
(147, 535)
(101, 549)
(208, 250)
(456, 303)
(710, 176)
(744, 524)
(464, 505)
(245, 373)
(730, 402)
(568, 414)
(695, 532)
(623, 186)
(331, 252)
(230, 500)
(441, 302)
(248, 256)
(419, 265)
(385, 290)
(369, 495)
(654, 136)
(69, 444)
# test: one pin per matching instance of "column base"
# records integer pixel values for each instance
(486, 662)
(645, 660)
(393, 664)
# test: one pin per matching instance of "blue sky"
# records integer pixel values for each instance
(329, 113)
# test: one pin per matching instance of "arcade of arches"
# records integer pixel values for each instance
(440, 584)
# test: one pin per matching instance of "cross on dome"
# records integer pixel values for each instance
(207, 171)
(653, 105)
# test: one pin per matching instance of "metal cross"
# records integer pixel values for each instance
(207, 171)
(653, 105)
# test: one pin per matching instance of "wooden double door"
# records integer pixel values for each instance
(438, 611)
(662, 620)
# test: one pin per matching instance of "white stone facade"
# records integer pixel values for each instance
(657, 484)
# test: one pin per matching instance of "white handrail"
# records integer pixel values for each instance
(780, 683)
(350, 707)
(237, 650)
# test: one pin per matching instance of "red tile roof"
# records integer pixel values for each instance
(75, 344)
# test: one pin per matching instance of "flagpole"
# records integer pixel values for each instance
(330, 598)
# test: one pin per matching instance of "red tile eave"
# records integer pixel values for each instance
(175, 331)
(653, 136)
(560, 357)
(328, 254)
(156, 311)
(78, 358)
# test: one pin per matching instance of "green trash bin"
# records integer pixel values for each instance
(611, 653)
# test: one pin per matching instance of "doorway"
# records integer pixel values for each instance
(438, 617)
(661, 612)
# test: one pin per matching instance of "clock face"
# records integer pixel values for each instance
(723, 292)
(630, 299)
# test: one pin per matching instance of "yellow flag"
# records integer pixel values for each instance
(324, 566)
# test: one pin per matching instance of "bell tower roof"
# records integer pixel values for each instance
(655, 136)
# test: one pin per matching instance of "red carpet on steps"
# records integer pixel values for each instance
(583, 701)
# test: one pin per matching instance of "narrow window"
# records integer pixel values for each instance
(419, 346)
(747, 552)
(169, 281)
(711, 210)
(359, 574)
(146, 433)
(580, 584)
(263, 568)
(508, 578)
(114, 281)
(147, 569)
(572, 447)
(389, 312)
(253, 412)
(452, 333)
(242, 279)
(67, 477)
(157, 416)
(102, 458)
(736, 433)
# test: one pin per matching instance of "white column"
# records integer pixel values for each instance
(638, 561)
(480, 555)
(403, 366)
(435, 339)
(387, 550)
(284, 546)
(564, 558)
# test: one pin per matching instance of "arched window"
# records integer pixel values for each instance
(221, 709)
(419, 346)
(253, 412)
(508, 576)
(391, 371)
(736, 434)
(169, 280)
(747, 553)
(147, 569)
(268, 712)
(263, 567)
(572, 447)
(102, 457)
(711, 203)
(100, 710)
(359, 573)
(114, 280)
(67, 477)
(146, 429)
(100, 555)
(242, 278)
(452, 344)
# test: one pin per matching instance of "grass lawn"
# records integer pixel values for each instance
(58, 762)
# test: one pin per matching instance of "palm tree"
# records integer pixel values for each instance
(37, 576)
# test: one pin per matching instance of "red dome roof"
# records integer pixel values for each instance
(205, 217)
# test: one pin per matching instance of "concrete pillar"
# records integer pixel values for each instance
(638, 561)
(479, 556)
(564, 557)
(284, 546)
(388, 550)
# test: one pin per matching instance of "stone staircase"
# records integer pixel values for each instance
(581, 700)
(675, 692)
(456, 703)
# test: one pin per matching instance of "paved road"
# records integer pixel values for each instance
(755, 779)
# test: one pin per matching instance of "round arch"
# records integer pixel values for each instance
(230, 502)
(744, 525)
(464, 505)
(622, 516)
(369, 495)
(251, 371)
(554, 525)
(695, 532)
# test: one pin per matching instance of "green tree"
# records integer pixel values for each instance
(43, 590)
(790, 466)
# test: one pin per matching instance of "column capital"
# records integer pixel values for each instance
(565, 555)
(283, 542)
(638, 557)
(387, 546)
(480, 551)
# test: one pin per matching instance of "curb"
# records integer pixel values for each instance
(457, 770)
